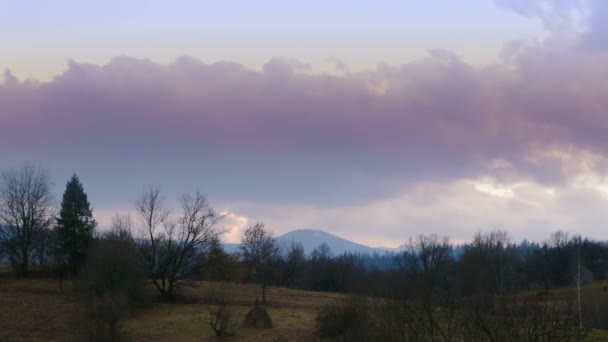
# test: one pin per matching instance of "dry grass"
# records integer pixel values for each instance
(293, 313)
(245, 294)
(189, 322)
(33, 310)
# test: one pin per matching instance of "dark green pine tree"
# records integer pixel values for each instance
(75, 225)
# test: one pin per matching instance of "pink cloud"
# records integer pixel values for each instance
(435, 118)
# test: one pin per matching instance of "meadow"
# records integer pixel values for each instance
(33, 310)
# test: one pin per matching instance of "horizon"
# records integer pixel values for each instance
(374, 122)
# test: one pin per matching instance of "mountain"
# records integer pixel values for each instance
(311, 238)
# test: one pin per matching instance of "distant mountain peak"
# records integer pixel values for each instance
(313, 238)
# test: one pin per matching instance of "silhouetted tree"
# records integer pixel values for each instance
(427, 256)
(221, 266)
(75, 226)
(293, 259)
(320, 258)
(260, 251)
(426, 261)
(489, 263)
(26, 211)
(173, 247)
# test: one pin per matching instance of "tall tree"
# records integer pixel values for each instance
(260, 250)
(26, 211)
(75, 225)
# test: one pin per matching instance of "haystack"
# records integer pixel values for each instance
(258, 317)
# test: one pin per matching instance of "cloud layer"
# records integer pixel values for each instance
(285, 137)
(438, 117)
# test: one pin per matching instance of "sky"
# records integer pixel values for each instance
(374, 121)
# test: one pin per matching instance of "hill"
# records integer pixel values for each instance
(312, 238)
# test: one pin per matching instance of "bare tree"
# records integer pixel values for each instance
(428, 255)
(577, 241)
(494, 247)
(322, 252)
(559, 239)
(320, 270)
(426, 260)
(173, 245)
(293, 258)
(260, 250)
(26, 211)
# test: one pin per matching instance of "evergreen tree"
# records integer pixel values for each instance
(75, 225)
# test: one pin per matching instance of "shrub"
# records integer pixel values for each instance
(112, 282)
(524, 319)
(348, 320)
(594, 312)
(220, 312)
(221, 320)
(104, 313)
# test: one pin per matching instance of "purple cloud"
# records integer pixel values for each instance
(351, 136)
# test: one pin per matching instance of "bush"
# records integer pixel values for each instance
(348, 320)
(221, 320)
(104, 313)
(220, 312)
(594, 312)
(112, 282)
(523, 319)
(398, 321)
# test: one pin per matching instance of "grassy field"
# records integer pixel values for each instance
(33, 310)
(293, 313)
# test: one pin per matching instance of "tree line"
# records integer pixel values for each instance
(177, 245)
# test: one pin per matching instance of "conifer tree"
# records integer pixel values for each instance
(75, 225)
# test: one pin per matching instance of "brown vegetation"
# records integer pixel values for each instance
(33, 310)
(39, 312)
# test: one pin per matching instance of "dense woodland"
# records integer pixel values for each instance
(491, 288)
